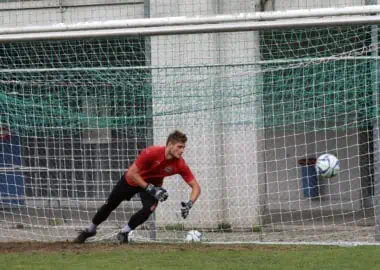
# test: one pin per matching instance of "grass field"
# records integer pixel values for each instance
(181, 256)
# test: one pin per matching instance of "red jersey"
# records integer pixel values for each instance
(154, 167)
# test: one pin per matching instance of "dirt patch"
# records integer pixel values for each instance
(41, 247)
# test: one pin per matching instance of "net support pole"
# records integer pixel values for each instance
(376, 127)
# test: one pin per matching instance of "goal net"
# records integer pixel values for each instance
(257, 106)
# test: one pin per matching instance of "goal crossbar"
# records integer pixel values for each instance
(199, 24)
(193, 29)
(184, 20)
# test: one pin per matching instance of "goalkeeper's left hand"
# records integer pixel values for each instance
(185, 208)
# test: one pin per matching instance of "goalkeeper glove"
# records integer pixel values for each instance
(185, 209)
(158, 193)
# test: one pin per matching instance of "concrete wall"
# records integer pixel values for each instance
(68, 11)
(306, 4)
(284, 188)
(225, 167)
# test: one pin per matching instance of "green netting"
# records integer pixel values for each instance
(313, 78)
(57, 88)
(337, 93)
(65, 101)
(318, 78)
(313, 42)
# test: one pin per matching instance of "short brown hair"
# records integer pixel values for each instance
(176, 136)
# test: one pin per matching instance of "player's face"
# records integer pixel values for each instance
(176, 149)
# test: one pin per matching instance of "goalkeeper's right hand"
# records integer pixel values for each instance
(158, 193)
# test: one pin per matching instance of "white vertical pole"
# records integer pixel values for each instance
(376, 126)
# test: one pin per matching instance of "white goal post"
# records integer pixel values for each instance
(192, 25)
(183, 20)
(259, 94)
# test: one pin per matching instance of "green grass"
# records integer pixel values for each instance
(154, 256)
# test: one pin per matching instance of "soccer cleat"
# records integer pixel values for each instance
(122, 237)
(83, 235)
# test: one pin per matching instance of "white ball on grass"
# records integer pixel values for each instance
(193, 236)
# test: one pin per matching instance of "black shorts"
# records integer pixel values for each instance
(123, 191)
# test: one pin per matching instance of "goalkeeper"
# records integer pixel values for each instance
(145, 176)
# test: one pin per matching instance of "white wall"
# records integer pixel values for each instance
(55, 11)
(172, 91)
(217, 152)
(306, 4)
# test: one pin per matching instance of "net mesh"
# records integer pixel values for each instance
(328, 83)
(81, 110)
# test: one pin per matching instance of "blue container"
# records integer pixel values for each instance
(310, 181)
(11, 182)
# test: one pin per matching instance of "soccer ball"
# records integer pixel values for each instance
(193, 236)
(327, 165)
